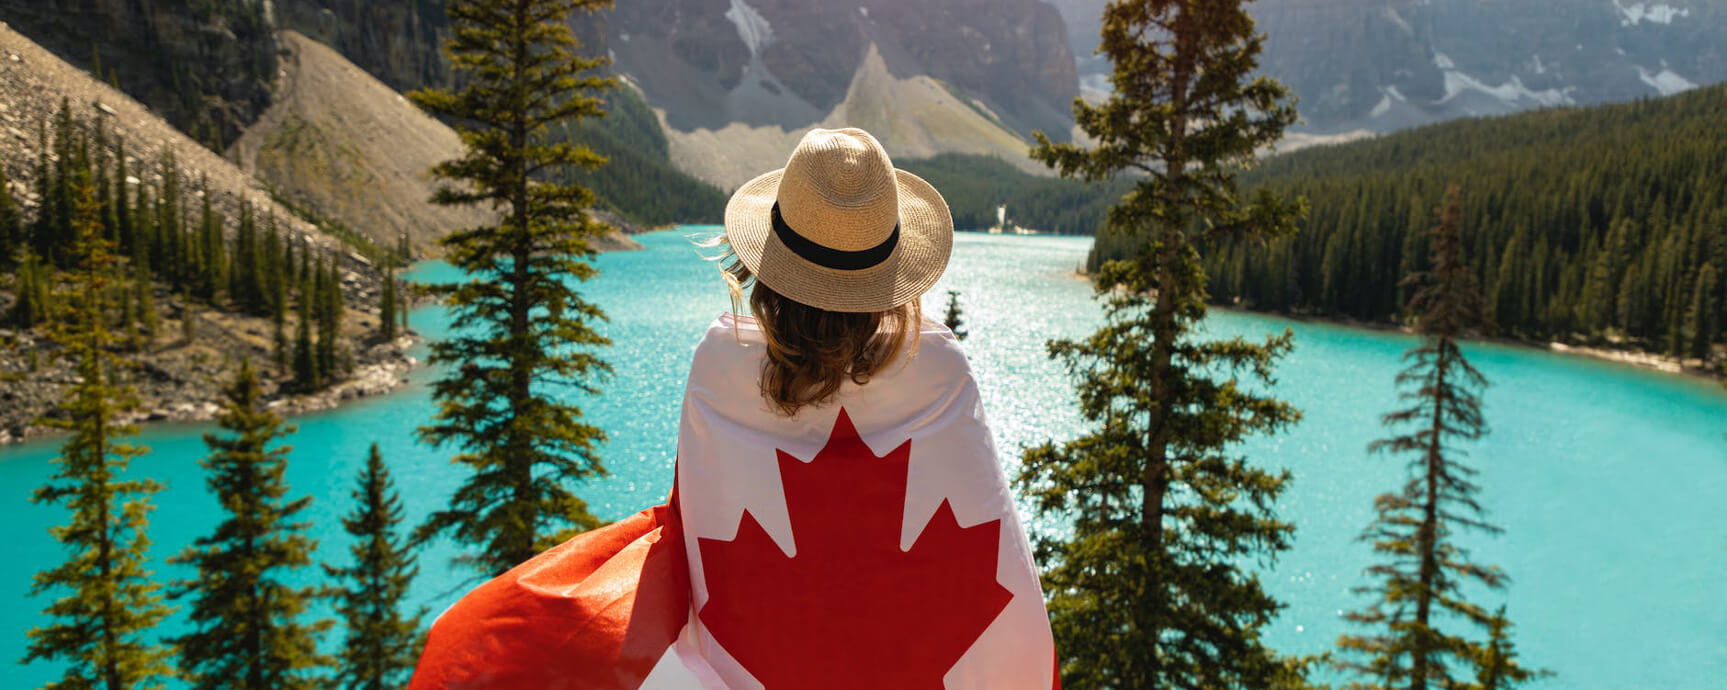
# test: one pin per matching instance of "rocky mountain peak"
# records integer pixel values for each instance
(790, 62)
(1381, 65)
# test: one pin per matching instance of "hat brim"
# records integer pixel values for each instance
(914, 266)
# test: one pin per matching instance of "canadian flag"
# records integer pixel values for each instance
(867, 543)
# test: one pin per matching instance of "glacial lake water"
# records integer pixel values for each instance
(1610, 481)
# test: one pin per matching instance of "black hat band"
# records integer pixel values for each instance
(828, 257)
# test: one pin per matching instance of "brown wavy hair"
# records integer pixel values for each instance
(811, 352)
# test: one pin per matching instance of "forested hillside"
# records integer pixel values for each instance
(975, 185)
(1602, 225)
(638, 179)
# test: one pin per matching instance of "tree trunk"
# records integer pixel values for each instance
(520, 545)
(1427, 538)
(1155, 480)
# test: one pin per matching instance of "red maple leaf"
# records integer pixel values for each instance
(851, 610)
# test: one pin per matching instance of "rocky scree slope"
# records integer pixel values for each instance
(341, 145)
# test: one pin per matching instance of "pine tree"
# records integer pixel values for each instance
(1421, 585)
(122, 203)
(33, 290)
(1700, 327)
(387, 307)
(528, 328)
(248, 632)
(170, 224)
(11, 224)
(381, 646)
(108, 601)
(328, 308)
(148, 321)
(1153, 586)
(212, 271)
(955, 316)
(307, 377)
(248, 275)
(277, 257)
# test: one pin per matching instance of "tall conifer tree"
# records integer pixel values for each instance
(11, 224)
(381, 647)
(306, 374)
(523, 338)
(331, 359)
(248, 631)
(1421, 586)
(31, 285)
(277, 258)
(107, 602)
(1152, 588)
(387, 306)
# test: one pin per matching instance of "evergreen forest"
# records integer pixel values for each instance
(1603, 225)
(638, 180)
(177, 243)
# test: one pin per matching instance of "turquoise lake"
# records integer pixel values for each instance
(1610, 481)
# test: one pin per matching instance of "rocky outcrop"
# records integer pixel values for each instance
(1382, 65)
(205, 67)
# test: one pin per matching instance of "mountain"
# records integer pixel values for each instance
(33, 85)
(736, 82)
(339, 145)
(205, 67)
(1381, 65)
(184, 355)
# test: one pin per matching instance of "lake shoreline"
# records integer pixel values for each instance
(1635, 358)
(382, 369)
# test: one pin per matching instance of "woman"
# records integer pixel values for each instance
(839, 519)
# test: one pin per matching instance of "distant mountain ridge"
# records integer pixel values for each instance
(736, 82)
(1382, 65)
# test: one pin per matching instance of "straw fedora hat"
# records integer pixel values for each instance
(839, 228)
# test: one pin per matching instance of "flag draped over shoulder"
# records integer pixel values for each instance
(867, 543)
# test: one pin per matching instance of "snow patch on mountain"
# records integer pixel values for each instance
(1511, 93)
(1382, 107)
(752, 26)
(1391, 96)
(1654, 13)
(1666, 82)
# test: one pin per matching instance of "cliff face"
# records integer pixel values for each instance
(789, 63)
(205, 67)
(1387, 64)
(400, 42)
